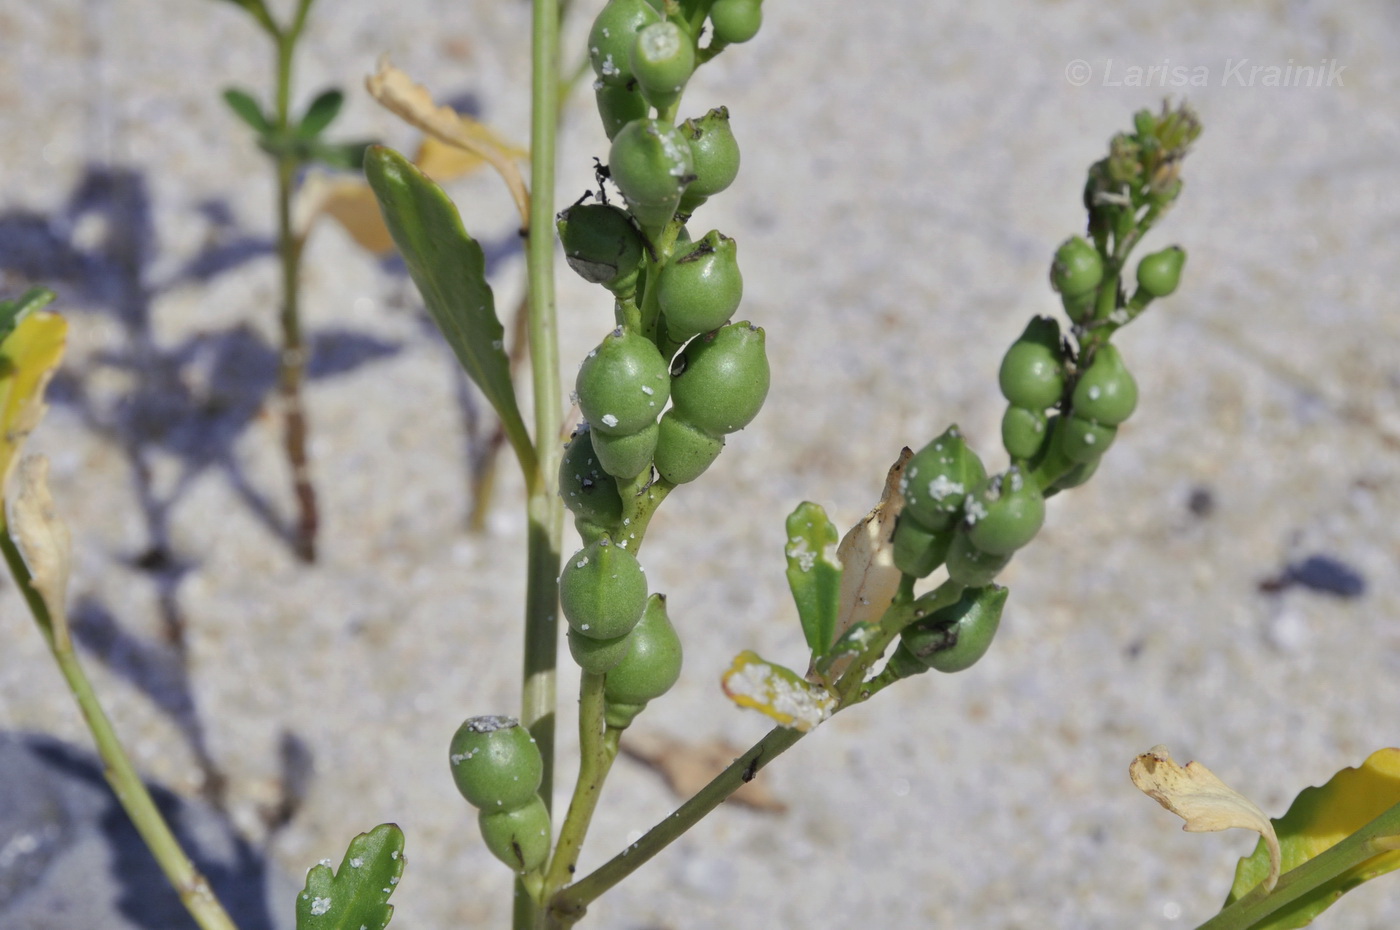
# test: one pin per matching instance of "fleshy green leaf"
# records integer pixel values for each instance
(321, 113)
(450, 270)
(777, 692)
(355, 896)
(1319, 819)
(246, 107)
(814, 574)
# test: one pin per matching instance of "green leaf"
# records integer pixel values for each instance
(356, 896)
(347, 156)
(814, 574)
(450, 270)
(246, 107)
(1320, 818)
(320, 114)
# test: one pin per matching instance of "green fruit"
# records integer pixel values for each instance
(602, 590)
(1004, 513)
(718, 384)
(700, 287)
(620, 716)
(495, 763)
(937, 480)
(597, 655)
(651, 164)
(1159, 273)
(1077, 269)
(1084, 441)
(622, 384)
(618, 106)
(628, 456)
(714, 154)
(588, 491)
(1032, 372)
(735, 21)
(954, 638)
(1074, 477)
(652, 665)
(520, 838)
(970, 566)
(612, 36)
(1023, 432)
(662, 58)
(917, 551)
(1106, 392)
(683, 452)
(602, 245)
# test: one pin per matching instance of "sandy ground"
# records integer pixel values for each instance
(908, 170)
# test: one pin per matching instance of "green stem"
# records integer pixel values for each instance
(568, 905)
(1307, 878)
(192, 887)
(546, 511)
(597, 750)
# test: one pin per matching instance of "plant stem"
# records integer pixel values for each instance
(569, 904)
(1297, 883)
(292, 360)
(545, 509)
(597, 750)
(192, 887)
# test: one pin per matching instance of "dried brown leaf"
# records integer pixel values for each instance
(687, 767)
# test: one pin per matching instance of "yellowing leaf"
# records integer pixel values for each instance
(444, 162)
(778, 692)
(869, 578)
(28, 358)
(412, 103)
(1320, 818)
(43, 541)
(351, 203)
(1205, 802)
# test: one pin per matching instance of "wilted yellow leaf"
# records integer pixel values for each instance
(777, 692)
(444, 162)
(351, 203)
(28, 358)
(1205, 802)
(43, 540)
(412, 103)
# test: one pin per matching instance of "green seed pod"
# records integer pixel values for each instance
(918, 551)
(519, 838)
(588, 491)
(954, 638)
(719, 382)
(602, 245)
(602, 590)
(715, 154)
(618, 106)
(700, 287)
(937, 480)
(735, 21)
(628, 456)
(683, 452)
(1023, 432)
(651, 164)
(652, 665)
(970, 566)
(1004, 513)
(1085, 441)
(597, 655)
(1032, 372)
(662, 58)
(1077, 268)
(623, 384)
(611, 38)
(1159, 273)
(1106, 392)
(495, 763)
